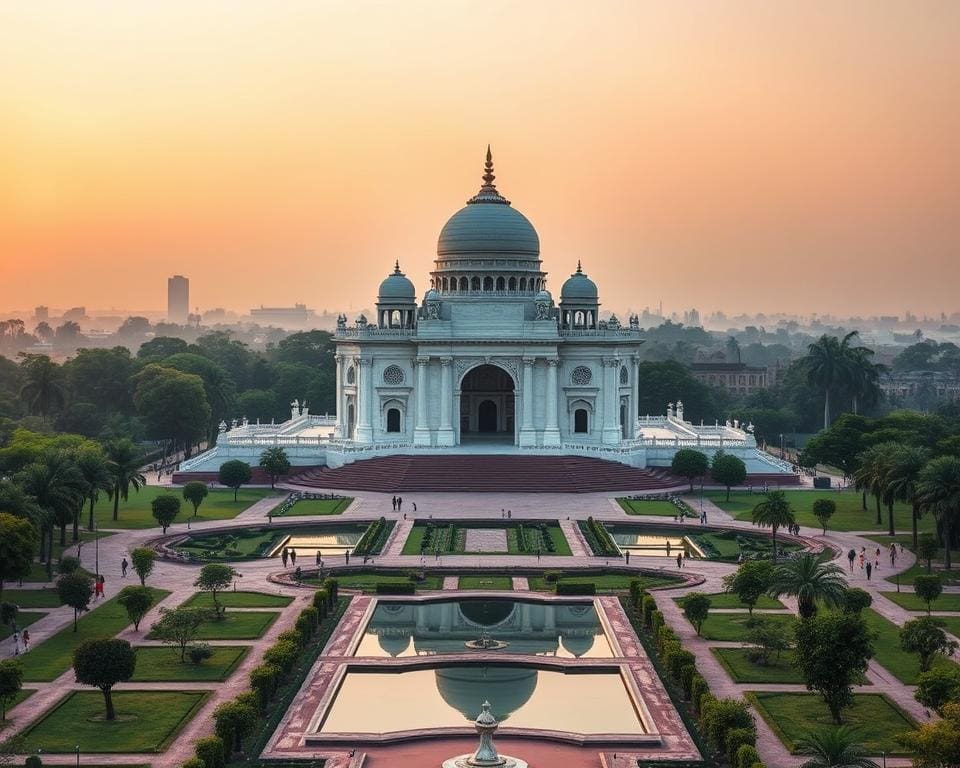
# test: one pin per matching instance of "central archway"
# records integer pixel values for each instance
(487, 405)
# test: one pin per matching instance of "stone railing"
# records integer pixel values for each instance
(601, 333)
(373, 332)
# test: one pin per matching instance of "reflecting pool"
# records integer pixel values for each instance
(567, 630)
(450, 695)
(329, 542)
(641, 542)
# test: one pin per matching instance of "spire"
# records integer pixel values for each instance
(488, 192)
(579, 268)
(396, 267)
(488, 176)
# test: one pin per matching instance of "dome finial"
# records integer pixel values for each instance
(396, 267)
(488, 176)
(579, 268)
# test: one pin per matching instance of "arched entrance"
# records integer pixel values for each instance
(487, 406)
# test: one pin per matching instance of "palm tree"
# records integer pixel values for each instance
(902, 479)
(825, 369)
(859, 374)
(43, 388)
(938, 490)
(97, 471)
(57, 485)
(872, 474)
(773, 512)
(811, 581)
(833, 748)
(126, 461)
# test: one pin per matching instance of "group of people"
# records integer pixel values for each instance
(398, 505)
(865, 562)
(793, 529)
(21, 642)
(289, 554)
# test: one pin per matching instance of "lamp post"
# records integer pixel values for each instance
(96, 549)
(781, 446)
(78, 756)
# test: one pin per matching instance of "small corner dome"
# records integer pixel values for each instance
(544, 295)
(396, 288)
(431, 295)
(578, 287)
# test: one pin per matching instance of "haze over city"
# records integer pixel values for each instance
(751, 157)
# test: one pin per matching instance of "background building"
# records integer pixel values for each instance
(178, 299)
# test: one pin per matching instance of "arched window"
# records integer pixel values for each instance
(393, 420)
(444, 284)
(351, 375)
(512, 285)
(488, 283)
(463, 284)
(578, 319)
(624, 376)
(523, 284)
(474, 283)
(581, 421)
(501, 284)
(395, 321)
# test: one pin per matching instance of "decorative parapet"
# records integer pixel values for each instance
(371, 332)
(601, 333)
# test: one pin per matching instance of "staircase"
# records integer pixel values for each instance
(481, 473)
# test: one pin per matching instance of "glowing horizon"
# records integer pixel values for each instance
(752, 157)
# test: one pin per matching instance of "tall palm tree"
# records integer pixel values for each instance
(875, 466)
(773, 512)
(126, 460)
(825, 369)
(902, 479)
(97, 471)
(938, 490)
(833, 748)
(810, 581)
(43, 388)
(862, 376)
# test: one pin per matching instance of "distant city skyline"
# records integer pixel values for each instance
(749, 157)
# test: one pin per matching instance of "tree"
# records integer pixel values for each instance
(937, 687)
(728, 470)
(856, 600)
(938, 490)
(832, 652)
(18, 546)
(811, 581)
(165, 508)
(57, 485)
(214, 578)
(876, 466)
(161, 347)
(936, 744)
(690, 464)
(103, 663)
(823, 510)
(126, 461)
(137, 601)
(97, 472)
(179, 626)
(44, 389)
(902, 479)
(928, 588)
(275, 463)
(927, 549)
(768, 636)
(926, 638)
(750, 581)
(773, 512)
(75, 590)
(173, 405)
(696, 607)
(217, 385)
(143, 559)
(232, 721)
(11, 681)
(233, 474)
(195, 492)
(824, 368)
(833, 748)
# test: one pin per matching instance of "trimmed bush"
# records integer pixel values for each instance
(739, 737)
(194, 762)
(292, 636)
(698, 687)
(233, 720)
(721, 717)
(576, 588)
(552, 577)
(649, 606)
(388, 588)
(283, 654)
(209, 749)
(747, 756)
(33, 761)
(311, 614)
(305, 625)
(679, 660)
(200, 652)
(321, 601)
(263, 680)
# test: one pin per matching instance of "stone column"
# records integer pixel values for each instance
(445, 434)
(365, 401)
(341, 409)
(635, 394)
(421, 433)
(611, 401)
(551, 433)
(527, 434)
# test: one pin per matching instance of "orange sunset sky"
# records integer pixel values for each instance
(747, 156)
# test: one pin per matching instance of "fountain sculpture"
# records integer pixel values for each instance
(486, 643)
(486, 755)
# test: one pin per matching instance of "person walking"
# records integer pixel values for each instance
(26, 640)
(123, 567)
(394, 503)
(98, 588)
(863, 556)
(16, 643)
(285, 555)
(319, 559)
(414, 509)
(627, 553)
(293, 557)
(869, 570)
(399, 503)
(851, 556)
(679, 559)
(893, 555)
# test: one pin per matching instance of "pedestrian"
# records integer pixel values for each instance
(893, 555)
(869, 570)
(399, 503)
(319, 559)
(98, 588)
(394, 503)
(298, 575)
(679, 559)
(16, 643)
(285, 555)
(851, 556)
(509, 514)
(627, 553)
(123, 567)
(503, 512)
(863, 557)
(346, 554)
(414, 510)
(26, 640)
(293, 557)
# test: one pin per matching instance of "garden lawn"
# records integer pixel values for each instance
(136, 511)
(239, 600)
(950, 578)
(951, 624)
(20, 696)
(38, 570)
(159, 664)
(733, 626)
(486, 582)
(742, 670)
(948, 601)
(48, 660)
(237, 625)
(657, 507)
(876, 718)
(24, 619)
(146, 721)
(605, 582)
(850, 516)
(32, 598)
(307, 507)
(369, 581)
(888, 653)
(729, 600)
(455, 543)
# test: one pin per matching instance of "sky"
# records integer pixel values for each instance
(749, 156)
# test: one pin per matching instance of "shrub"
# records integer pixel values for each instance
(263, 680)
(233, 720)
(677, 661)
(33, 761)
(739, 737)
(649, 606)
(283, 654)
(312, 614)
(292, 636)
(551, 577)
(656, 621)
(855, 600)
(331, 586)
(575, 588)
(388, 588)
(210, 750)
(200, 653)
(321, 601)
(194, 762)
(306, 623)
(724, 716)
(69, 564)
(698, 688)
(687, 674)
(747, 756)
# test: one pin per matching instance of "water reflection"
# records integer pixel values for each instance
(328, 543)
(542, 629)
(652, 544)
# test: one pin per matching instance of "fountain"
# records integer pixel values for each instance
(486, 754)
(486, 643)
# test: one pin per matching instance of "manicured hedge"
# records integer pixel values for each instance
(391, 588)
(576, 588)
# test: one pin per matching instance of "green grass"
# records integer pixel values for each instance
(951, 624)
(657, 507)
(317, 507)
(24, 619)
(729, 600)
(948, 601)
(237, 625)
(38, 571)
(485, 582)
(876, 718)
(849, 515)
(20, 696)
(54, 656)
(742, 670)
(369, 581)
(949, 578)
(32, 598)
(147, 721)
(135, 512)
(733, 626)
(239, 600)
(888, 653)
(162, 664)
(454, 544)
(606, 582)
